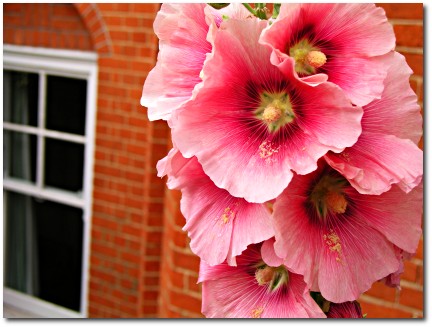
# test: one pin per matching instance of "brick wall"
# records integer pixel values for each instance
(45, 25)
(128, 197)
(141, 263)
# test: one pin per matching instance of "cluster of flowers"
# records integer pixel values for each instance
(294, 138)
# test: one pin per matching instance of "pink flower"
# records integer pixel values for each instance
(386, 152)
(341, 41)
(182, 31)
(345, 310)
(393, 280)
(220, 226)
(250, 124)
(340, 240)
(254, 289)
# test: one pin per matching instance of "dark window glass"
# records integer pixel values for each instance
(44, 249)
(19, 155)
(64, 165)
(20, 97)
(66, 104)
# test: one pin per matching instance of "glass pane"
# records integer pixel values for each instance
(64, 165)
(66, 104)
(19, 155)
(20, 97)
(44, 249)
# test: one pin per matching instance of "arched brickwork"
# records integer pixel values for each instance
(95, 24)
(46, 25)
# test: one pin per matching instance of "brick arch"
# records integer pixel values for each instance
(48, 25)
(95, 24)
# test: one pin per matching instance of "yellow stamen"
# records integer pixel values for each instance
(336, 202)
(334, 244)
(256, 313)
(227, 215)
(271, 113)
(265, 275)
(316, 58)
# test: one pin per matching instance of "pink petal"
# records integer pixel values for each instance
(362, 78)
(236, 149)
(182, 31)
(343, 257)
(345, 310)
(395, 214)
(232, 292)
(220, 226)
(377, 161)
(350, 35)
(397, 112)
(269, 255)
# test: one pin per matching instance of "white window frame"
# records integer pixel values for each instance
(65, 63)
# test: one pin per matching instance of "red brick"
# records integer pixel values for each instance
(411, 298)
(133, 231)
(378, 311)
(184, 301)
(64, 10)
(409, 35)
(410, 271)
(193, 285)
(105, 250)
(403, 10)
(129, 257)
(102, 275)
(415, 61)
(152, 265)
(420, 275)
(419, 252)
(186, 261)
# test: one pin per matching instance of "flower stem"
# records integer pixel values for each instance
(248, 7)
(276, 9)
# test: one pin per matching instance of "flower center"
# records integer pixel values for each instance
(275, 110)
(336, 202)
(307, 57)
(328, 196)
(273, 277)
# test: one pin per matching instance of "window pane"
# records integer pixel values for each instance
(20, 97)
(19, 155)
(44, 249)
(64, 165)
(66, 104)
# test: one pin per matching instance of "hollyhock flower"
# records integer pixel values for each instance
(250, 124)
(340, 240)
(343, 42)
(393, 280)
(220, 226)
(182, 31)
(386, 152)
(254, 289)
(345, 310)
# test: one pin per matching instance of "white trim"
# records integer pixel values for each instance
(73, 64)
(44, 132)
(37, 306)
(52, 194)
(90, 131)
(40, 173)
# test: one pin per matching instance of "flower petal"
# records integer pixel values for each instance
(220, 226)
(377, 161)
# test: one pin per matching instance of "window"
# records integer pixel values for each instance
(49, 101)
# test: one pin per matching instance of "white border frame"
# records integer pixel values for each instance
(78, 64)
